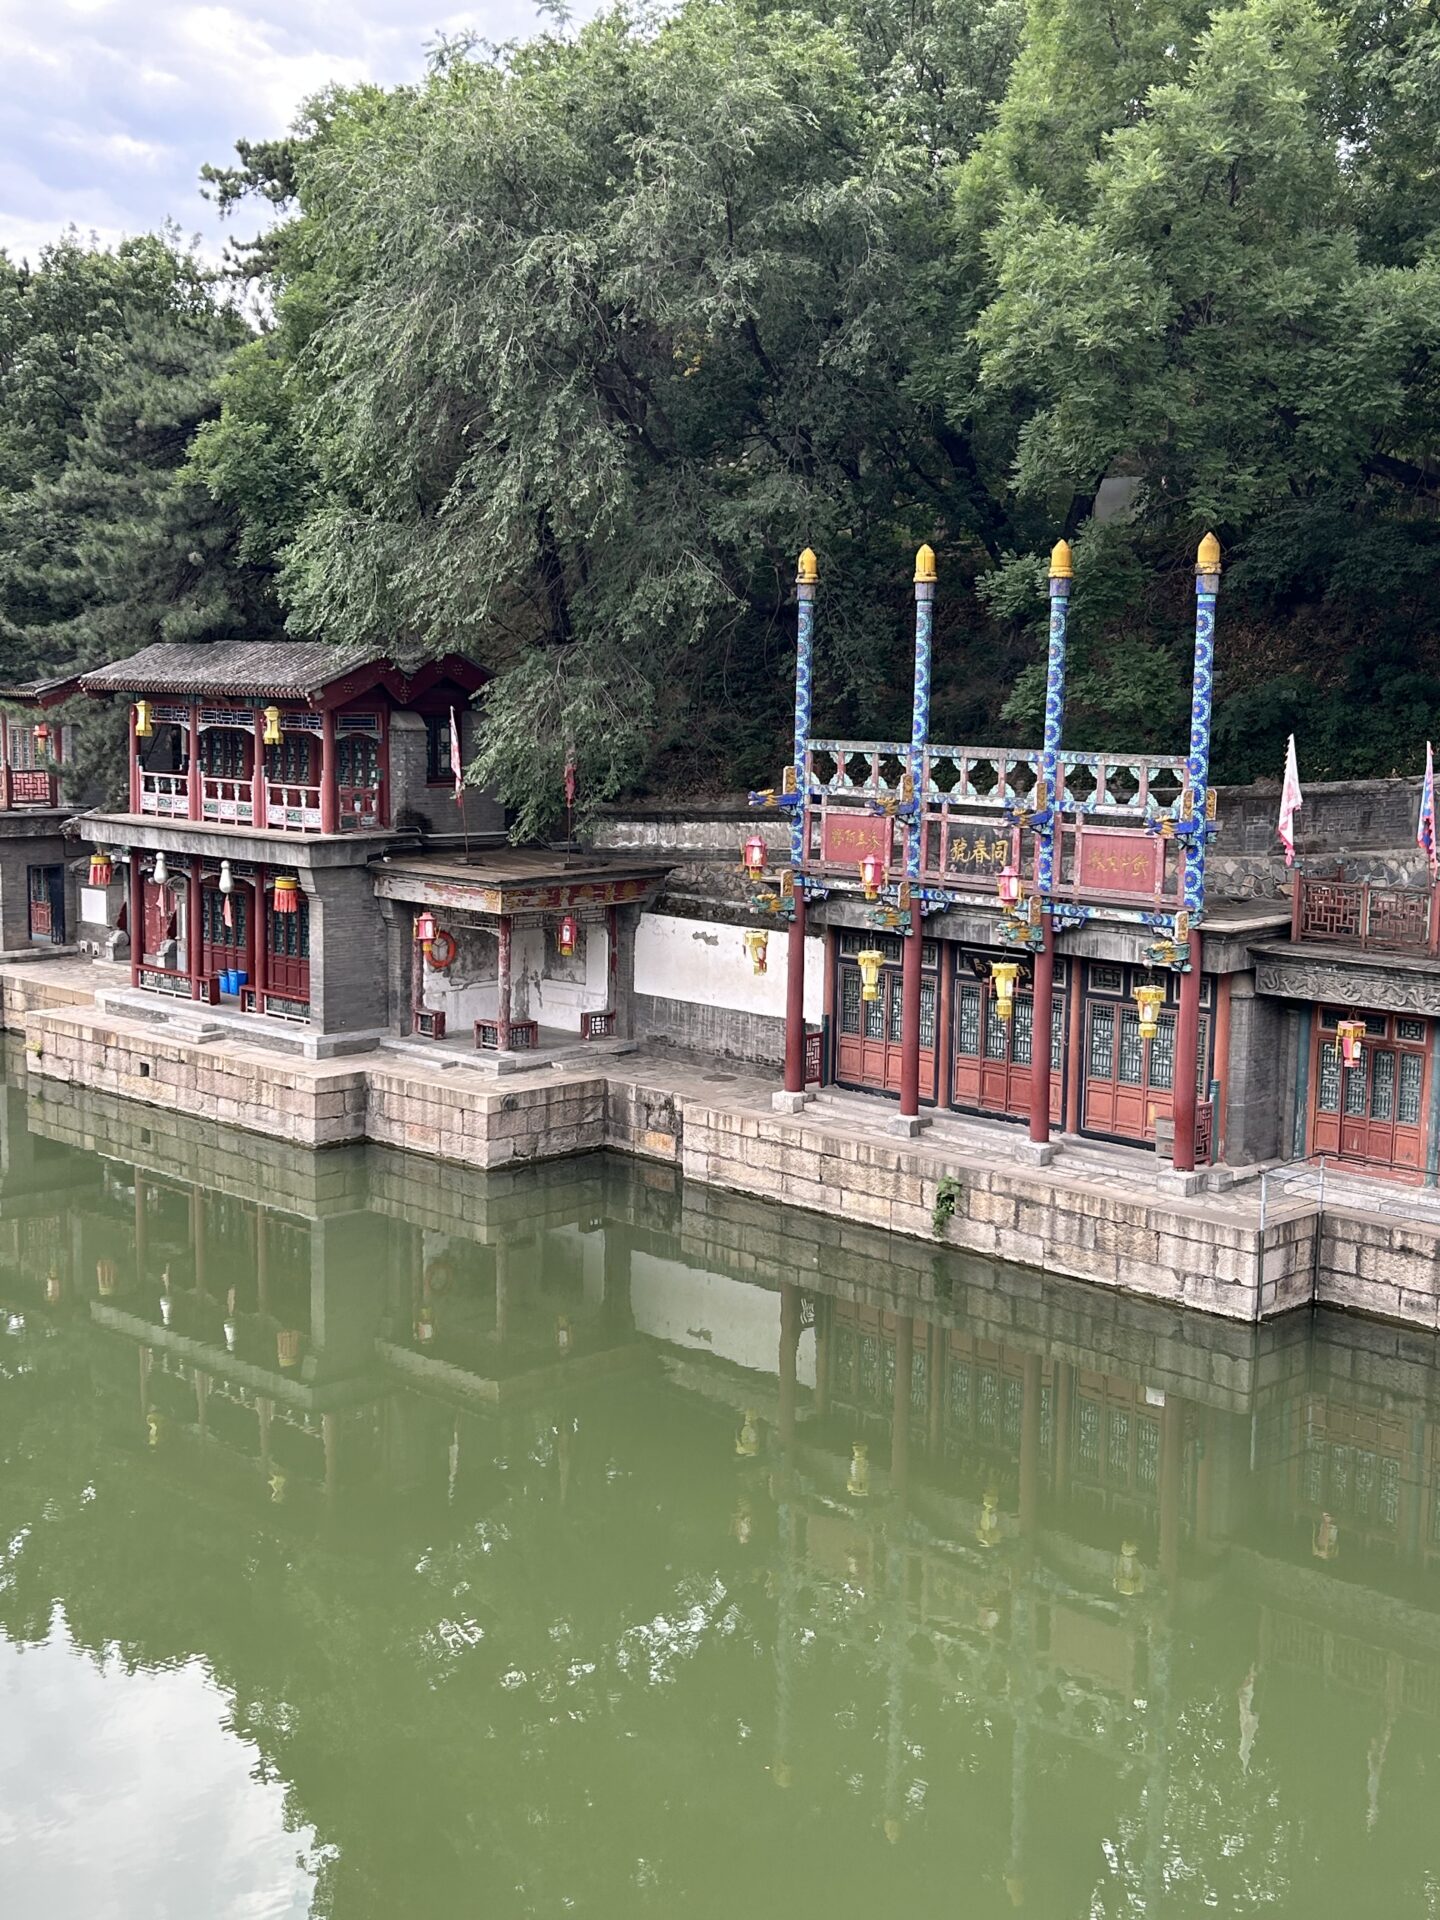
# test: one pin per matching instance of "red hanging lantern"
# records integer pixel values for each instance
(755, 855)
(287, 894)
(872, 875)
(1350, 1034)
(1007, 885)
(569, 933)
(102, 870)
(424, 929)
(42, 737)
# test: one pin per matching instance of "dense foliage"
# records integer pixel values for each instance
(577, 343)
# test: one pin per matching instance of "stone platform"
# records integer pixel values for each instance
(1094, 1214)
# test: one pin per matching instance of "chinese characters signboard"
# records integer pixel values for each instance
(978, 848)
(848, 838)
(1120, 862)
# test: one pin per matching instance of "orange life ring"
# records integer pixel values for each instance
(442, 950)
(440, 1274)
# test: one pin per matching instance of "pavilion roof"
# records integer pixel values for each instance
(269, 669)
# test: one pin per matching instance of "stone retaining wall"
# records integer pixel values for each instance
(1380, 1266)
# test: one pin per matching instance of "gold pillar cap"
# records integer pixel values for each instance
(807, 573)
(1062, 565)
(925, 566)
(1207, 555)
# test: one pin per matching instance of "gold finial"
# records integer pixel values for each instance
(808, 571)
(1207, 556)
(1062, 565)
(925, 567)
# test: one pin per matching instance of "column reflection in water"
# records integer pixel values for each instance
(511, 1527)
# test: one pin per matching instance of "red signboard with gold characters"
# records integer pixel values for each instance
(1119, 862)
(848, 838)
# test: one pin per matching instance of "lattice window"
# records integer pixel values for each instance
(1355, 1091)
(212, 907)
(1412, 1031)
(1341, 1464)
(1087, 1438)
(290, 933)
(1382, 1086)
(1328, 1096)
(1412, 1078)
(850, 1001)
(1313, 1474)
(927, 1013)
(289, 764)
(919, 1380)
(987, 1402)
(1162, 1055)
(967, 1024)
(1389, 1503)
(869, 1383)
(224, 753)
(845, 1360)
(1012, 1405)
(897, 1014)
(1047, 1420)
(1057, 1034)
(875, 1016)
(1023, 1021)
(1117, 1445)
(997, 1041)
(1330, 910)
(1147, 1455)
(887, 1372)
(1106, 979)
(357, 761)
(959, 1398)
(1102, 1042)
(1131, 1065)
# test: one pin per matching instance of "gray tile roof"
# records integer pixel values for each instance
(284, 669)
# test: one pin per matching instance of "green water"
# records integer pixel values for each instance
(515, 1561)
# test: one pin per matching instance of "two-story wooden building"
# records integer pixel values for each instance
(291, 851)
(38, 894)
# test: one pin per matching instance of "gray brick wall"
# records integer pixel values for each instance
(348, 951)
(413, 802)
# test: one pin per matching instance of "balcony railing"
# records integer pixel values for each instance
(165, 793)
(359, 808)
(31, 787)
(228, 800)
(1360, 913)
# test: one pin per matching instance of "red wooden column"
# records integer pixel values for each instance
(193, 794)
(795, 1000)
(502, 986)
(257, 776)
(1187, 1046)
(134, 767)
(1042, 1013)
(260, 971)
(329, 794)
(911, 955)
(1074, 1059)
(192, 927)
(137, 920)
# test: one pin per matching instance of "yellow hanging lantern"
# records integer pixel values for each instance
(1149, 998)
(54, 1288)
(1129, 1574)
(563, 1336)
(747, 1441)
(105, 1277)
(870, 963)
(757, 945)
(287, 1346)
(858, 1484)
(144, 720)
(988, 1531)
(272, 735)
(1003, 975)
(1350, 1033)
(1325, 1544)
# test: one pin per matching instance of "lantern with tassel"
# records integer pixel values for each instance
(144, 720)
(569, 933)
(425, 931)
(872, 875)
(102, 869)
(42, 739)
(1007, 885)
(287, 894)
(1149, 998)
(757, 945)
(272, 736)
(755, 854)
(1003, 975)
(1350, 1034)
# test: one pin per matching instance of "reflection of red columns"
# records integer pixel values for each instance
(502, 984)
(197, 1234)
(936, 1382)
(329, 1440)
(1030, 1444)
(193, 796)
(824, 1320)
(910, 1020)
(900, 1407)
(262, 1262)
(142, 1250)
(1041, 1013)
(192, 926)
(502, 1293)
(1187, 1046)
(137, 920)
(1172, 1440)
(795, 1000)
(789, 1348)
(329, 796)
(1063, 1375)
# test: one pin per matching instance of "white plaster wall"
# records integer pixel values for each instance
(704, 961)
(711, 1313)
(554, 1003)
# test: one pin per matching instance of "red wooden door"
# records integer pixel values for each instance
(162, 922)
(1373, 1112)
(991, 1072)
(1130, 1081)
(226, 941)
(867, 1047)
(287, 959)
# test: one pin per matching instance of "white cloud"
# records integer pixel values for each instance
(107, 117)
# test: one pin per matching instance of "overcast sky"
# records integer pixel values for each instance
(109, 107)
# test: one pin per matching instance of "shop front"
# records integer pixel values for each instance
(1371, 1112)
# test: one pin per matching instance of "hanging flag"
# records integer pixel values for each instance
(455, 764)
(227, 914)
(1425, 832)
(1291, 801)
(572, 776)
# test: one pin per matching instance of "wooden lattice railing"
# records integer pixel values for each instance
(1362, 913)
